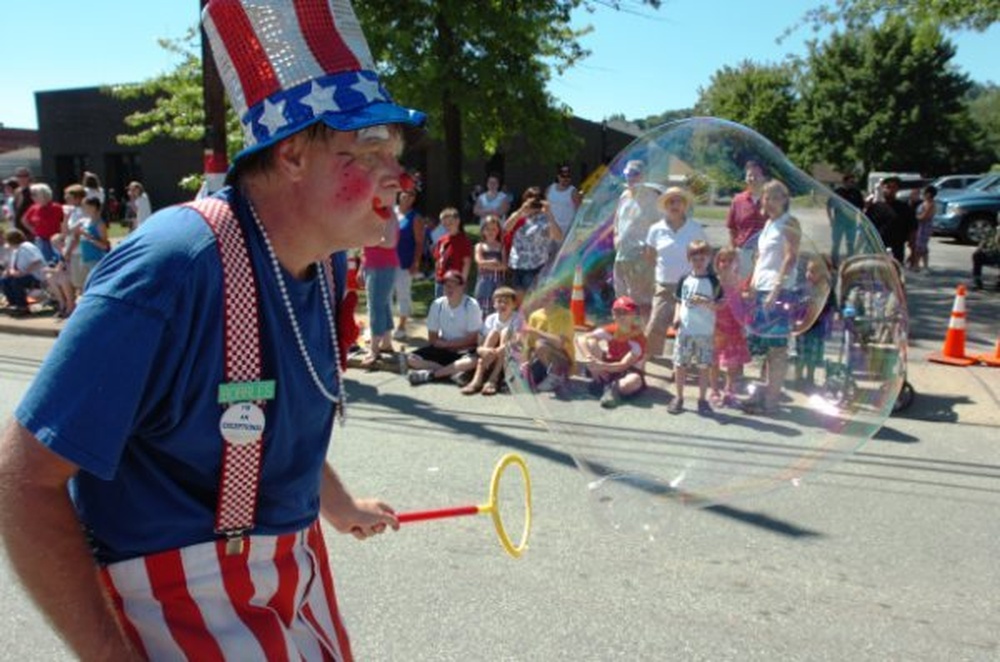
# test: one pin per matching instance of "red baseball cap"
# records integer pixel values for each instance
(453, 274)
(625, 304)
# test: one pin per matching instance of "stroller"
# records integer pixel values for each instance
(874, 330)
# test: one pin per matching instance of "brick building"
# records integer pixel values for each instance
(77, 129)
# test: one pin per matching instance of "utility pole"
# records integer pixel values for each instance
(213, 95)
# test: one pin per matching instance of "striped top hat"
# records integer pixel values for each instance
(288, 64)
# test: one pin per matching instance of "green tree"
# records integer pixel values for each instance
(759, 96)
(952, 14)
(480, 71)
(984, 109)
(176, 109)
(883, 98)
(663, 118)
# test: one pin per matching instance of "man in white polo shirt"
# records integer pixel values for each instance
(453, 324)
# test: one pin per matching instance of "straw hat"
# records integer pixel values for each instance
(674, 192)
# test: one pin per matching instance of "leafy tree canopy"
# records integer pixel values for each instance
(761, 97)
(953, 14)
(479, 70)
(884, 97)
(984, 109)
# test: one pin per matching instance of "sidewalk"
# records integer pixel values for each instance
(970, 396)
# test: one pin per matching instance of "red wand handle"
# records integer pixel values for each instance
(421, 515)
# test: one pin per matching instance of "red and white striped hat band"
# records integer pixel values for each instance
(287, 64)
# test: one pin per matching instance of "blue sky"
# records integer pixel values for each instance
(640, 65)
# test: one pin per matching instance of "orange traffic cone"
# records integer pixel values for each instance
(993, 360)
(953, 352)
(577, 304)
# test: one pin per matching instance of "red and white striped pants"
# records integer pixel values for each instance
(274, 601)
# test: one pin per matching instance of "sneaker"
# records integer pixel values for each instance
(676, 406)
(550, 383)
(399, 334)
(730, 400)
(610, 398)
(756, 406)
(419, 377)
(461, 378)
(704, 408)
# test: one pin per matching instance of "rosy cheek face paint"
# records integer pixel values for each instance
(355, 187)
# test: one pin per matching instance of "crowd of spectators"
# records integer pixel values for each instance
(668, 281)
(50, 247)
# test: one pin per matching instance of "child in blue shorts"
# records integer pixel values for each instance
(698, 295)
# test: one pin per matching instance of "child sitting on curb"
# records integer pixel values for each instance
(614, 354)
(492, 351)
(545, 342)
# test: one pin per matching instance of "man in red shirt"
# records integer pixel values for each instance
(745, 219)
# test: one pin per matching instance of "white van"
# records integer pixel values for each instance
(875, 177)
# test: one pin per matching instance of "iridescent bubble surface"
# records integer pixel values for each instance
(832, 335)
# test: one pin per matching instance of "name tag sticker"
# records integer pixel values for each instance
(246, 391)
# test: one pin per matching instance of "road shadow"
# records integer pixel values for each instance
(934, 407)
(888, 433)
(409, 408)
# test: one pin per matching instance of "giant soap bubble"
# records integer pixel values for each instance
(814, 352)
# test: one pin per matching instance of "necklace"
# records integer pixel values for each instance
(340, 399)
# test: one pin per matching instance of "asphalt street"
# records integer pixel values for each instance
(889, 555)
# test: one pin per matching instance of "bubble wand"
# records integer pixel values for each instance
(491, 508)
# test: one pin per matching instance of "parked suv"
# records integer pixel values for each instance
(971, 214)
(955, 183)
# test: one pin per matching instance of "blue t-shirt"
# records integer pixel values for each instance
(129, 391)
(406, 247)
(89, 253)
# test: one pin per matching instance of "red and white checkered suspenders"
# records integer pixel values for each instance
(243, 395)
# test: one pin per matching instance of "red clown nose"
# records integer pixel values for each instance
(406, 182)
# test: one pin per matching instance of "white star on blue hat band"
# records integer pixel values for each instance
(300, 106)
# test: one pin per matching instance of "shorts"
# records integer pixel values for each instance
(601, 382)
(775, 320)
(276, 600)
(692, 350)
(440, 355)
(523, 279)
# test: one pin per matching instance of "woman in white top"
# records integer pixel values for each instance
(92, 185)
(491, 201)
(772, 284)
(140, 201)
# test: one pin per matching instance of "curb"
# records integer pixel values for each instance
(43, 327)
